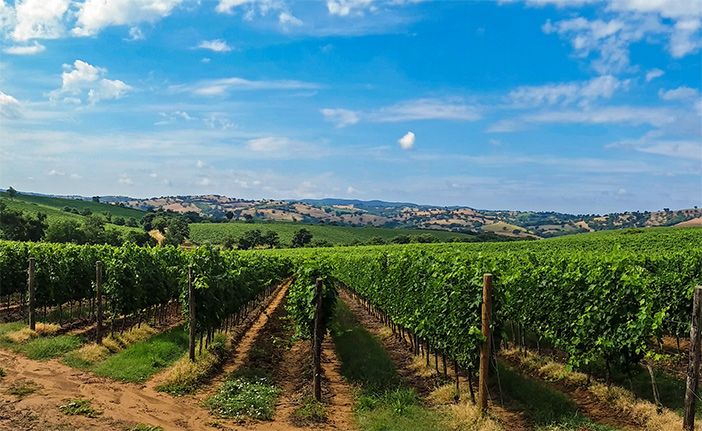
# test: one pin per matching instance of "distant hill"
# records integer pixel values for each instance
(377, 213)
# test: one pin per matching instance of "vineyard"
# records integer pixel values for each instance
(601, 306)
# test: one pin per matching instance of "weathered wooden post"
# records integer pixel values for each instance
(317, 342)
(693, 365)
(31, 293)
(98, 302)
(485, 348)
(191, 312)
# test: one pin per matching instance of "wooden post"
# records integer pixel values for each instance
(98, 302)
(191, 312)
(693, 365)
(31, 300)
(317, 342)
(485, 348)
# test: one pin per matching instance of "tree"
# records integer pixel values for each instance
(302, 238)
(17, 226)
(65, 230)
(86, 212)
(138, 238)
(11, 192)
(229, 215)
(401, 239)
(248, 218)
(119, 221)
(177, 230)
(270, 239)
(96, 199)
(131, 222)
(250, 239)
(376, 240)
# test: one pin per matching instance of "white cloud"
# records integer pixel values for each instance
(287, 19)
(653, 143)
(426, 109)
(135, 33)
(348, 7)
(226, 6)
(173, 117)
(219, 87)
(341, 117)
(680, 93)
(606, 115)
(407, 141)
(94, 15)
(216, 45)
(268, 144)
(9, 106)
(204, 181)
(34, 48)
(38, 19)
(200, 164)
(653, 74)
(583, 93)
(627, 22)
(83, 79)
(55, 173)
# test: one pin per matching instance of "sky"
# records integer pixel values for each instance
(577, 106)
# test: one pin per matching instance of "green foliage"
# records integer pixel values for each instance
(18, 226)
(302, 299)
(301, 238)
(241, 398)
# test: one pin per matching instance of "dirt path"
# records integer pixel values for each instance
(423, 379)
(122, 404)
(586, 402)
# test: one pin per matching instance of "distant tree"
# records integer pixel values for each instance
(302, 238)
(401, 239)
(248, 218)
(160, 223)
(19, 226)
(94, 229)
(424, 238)
(65, 230)
(250, 239)
(270, 239)
(11, 192)
(177, 230)
(138, 237)
(96, 199)
(86, 212)
(108, 216)
(229, 215)
(229, 242)
(376, 240)
(322, 243)
(119, 221)
(131, 222)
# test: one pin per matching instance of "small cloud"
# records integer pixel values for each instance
(82, 78)
(495, 142)
(621, 192)
(680, 93)
(200, 164)
(35, 48)
(9, 106)
(205, 60)
(407, 142)
(75, 176)
(350, 190)
(124, 179)
(55, 173)
(204, 181)
(341, 117)
(653, 74)
(216, 45)
(287, 19)
(135, 34)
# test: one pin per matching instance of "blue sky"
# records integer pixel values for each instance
(580, 106)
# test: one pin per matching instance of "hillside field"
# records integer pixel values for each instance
(53, 207)
(215, 233)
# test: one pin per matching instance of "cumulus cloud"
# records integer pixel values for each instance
(216, 45)
(83, 81)
(34, 48)
(9, 106)
(407, 141)
(94, 15)
(37, 19)
(287, 19)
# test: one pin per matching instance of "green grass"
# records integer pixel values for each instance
(383, 403)
(79, 406)
(311, 411)
(546, 408)
(39, 348)
(140, 361)
(338, 235)
(244, 397)
(22, 389)
(46, 204)
(144, 427)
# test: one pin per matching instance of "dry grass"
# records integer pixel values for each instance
(92, 353)
(623, 400)
(21, 336)
(121, 341)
